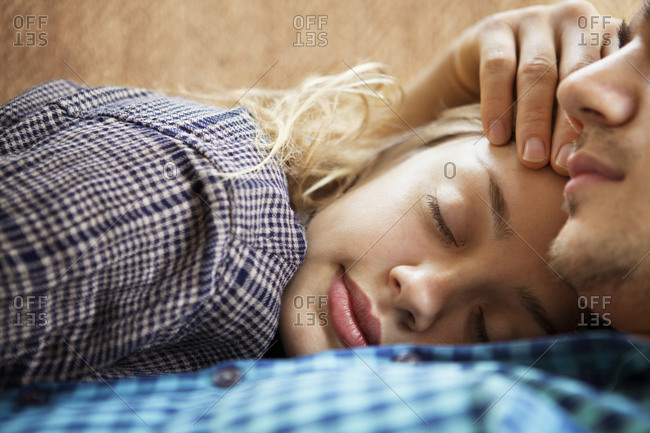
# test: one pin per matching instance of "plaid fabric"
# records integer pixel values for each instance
(596, 381)
(122, 249)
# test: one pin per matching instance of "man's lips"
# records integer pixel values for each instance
(585, 169)
(350, 312)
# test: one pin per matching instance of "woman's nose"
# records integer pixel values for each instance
(605, 93)
(420, 294)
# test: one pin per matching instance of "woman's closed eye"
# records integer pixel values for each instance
(624, 34)
(439, 221)
(479, 327)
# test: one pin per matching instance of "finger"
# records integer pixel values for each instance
(582, 45)
(564, 138)
(497, 73)
(580, 48)
(536, 83)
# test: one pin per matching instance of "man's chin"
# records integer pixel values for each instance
(587, 259)
(569, 256)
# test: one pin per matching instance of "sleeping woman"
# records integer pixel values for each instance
(442, 241)
(142, 233)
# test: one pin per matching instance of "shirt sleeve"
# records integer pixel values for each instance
(124, 250)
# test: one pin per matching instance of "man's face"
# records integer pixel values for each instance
(602, 248)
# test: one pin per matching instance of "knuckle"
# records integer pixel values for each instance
(538, 67)
(498, 63)
(498, 21)
(613, 24)
(533, 119)
(576, 8)
(537, 11)
(577, 65)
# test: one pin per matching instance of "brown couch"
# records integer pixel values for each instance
(202, 45)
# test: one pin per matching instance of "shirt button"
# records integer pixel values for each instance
(408, 357)
(226, 377)
(32, 397)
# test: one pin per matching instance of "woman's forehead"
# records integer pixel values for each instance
(462, 150)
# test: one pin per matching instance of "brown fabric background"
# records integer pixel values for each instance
(202, 45)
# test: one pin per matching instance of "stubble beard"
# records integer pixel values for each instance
(598, 262)
(596, 256)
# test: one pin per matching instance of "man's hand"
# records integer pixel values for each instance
(516, 59)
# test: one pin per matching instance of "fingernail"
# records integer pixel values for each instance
(563, 155)
(534, 150)
(497, 132)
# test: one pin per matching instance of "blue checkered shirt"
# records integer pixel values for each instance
(123, 251)
(596, 381)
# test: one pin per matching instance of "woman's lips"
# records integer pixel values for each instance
(586, 169)
(350, 312)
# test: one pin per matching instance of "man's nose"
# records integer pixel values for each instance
(605, 93)
(420, 294)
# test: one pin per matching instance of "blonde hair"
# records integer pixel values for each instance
(452, 123)
(330, 129)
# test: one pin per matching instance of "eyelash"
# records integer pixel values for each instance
(623, 34)
(439, 221)
(481, 331)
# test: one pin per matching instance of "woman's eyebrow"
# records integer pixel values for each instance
(497, 204)
(640, 21)
(645, 11)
